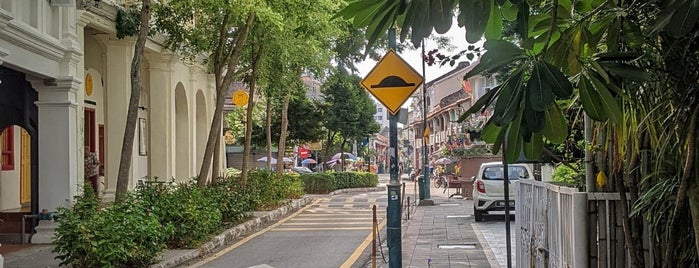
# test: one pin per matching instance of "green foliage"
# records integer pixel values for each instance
(574, 177)
(227, 193)
(345, 180)
(323, 183)
(318, 183)
(122, 235)
(127, 22)
(349, 110)
(268, 189)
(193, 214)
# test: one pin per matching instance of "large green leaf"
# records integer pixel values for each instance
(560, 85)
(420, 26)
(683, 21)
(481, 103)
(591, 101)
(473, 16)
(610, 105)
(534, 120)
(556, 127)
(490, 132)
(493, 29)
(533, 148)
(440, 15)
(522, 25)
(508, 103)
(497, 144)
(539, 92)
(357, 8)
(625, 71)
(500, 53)
(513, 148)
(619, 56)
(509, 11)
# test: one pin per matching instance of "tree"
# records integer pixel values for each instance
(218, 30)
(348, 108)
(132, 110)
(631, 64)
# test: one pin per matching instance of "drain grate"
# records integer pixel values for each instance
(457, 246)
(457, 216)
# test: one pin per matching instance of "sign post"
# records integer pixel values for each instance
(392, 81)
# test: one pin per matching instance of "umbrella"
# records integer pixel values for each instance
(347, 155)
(264, 159)
(309, 161)
(288, 160)
(443, 161)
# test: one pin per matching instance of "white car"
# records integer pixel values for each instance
(489, 187)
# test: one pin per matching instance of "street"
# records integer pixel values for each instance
(328, 233)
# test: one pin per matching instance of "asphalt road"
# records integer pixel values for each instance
(331, 232)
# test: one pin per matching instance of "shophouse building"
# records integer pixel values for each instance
(65, 85)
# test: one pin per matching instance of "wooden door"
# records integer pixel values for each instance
(25, 177)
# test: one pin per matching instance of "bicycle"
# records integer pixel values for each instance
(440, 181)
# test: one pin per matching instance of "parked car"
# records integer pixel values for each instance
(488, 187)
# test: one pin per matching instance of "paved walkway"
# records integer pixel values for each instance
(441, 235)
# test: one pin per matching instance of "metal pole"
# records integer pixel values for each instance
(506, 182)
(424, 182)
(393, 214)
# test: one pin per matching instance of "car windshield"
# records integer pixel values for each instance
(513, 172)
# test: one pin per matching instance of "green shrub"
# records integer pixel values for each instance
(318, 183)
(122, 235)
(194, 215)
(268, 189)
(228, 193)
(345, 180)
(568, 176)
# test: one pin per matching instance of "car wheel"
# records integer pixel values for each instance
(477, 214)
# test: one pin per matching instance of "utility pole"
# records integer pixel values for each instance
(393, 215)
(424, 181)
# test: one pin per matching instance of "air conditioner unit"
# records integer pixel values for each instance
(62, 3)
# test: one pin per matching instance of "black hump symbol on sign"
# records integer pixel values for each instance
(393, 81)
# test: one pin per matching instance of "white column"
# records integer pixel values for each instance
(117, 86)
(161, 112)
(60, 162)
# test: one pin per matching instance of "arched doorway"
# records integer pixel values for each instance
(181, 134)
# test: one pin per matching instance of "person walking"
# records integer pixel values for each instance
(92, 165)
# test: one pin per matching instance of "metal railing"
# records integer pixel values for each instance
(550, 225)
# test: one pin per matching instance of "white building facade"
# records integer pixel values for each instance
(65, 86)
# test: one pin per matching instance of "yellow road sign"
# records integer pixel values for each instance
(392, 81)
(240, 98)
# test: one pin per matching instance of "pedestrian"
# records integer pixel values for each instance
(92, 167)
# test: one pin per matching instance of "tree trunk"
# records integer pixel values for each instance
(681, 201)
(221, 90)
(268, 125)
(248, 116)
(132, 111)
(282, 135)
(215, 166)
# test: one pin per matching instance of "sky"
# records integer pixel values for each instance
(414, 58)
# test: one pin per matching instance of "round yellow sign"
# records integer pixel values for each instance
(88, 84)
(240, 98)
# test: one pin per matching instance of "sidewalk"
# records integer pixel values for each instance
(434, 236)
(441, 235)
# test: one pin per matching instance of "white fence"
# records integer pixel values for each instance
(551, 226)
(560, 227)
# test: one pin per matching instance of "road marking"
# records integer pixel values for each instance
(326, 223)
(246, 239)
(358, 252)
(282, 229)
